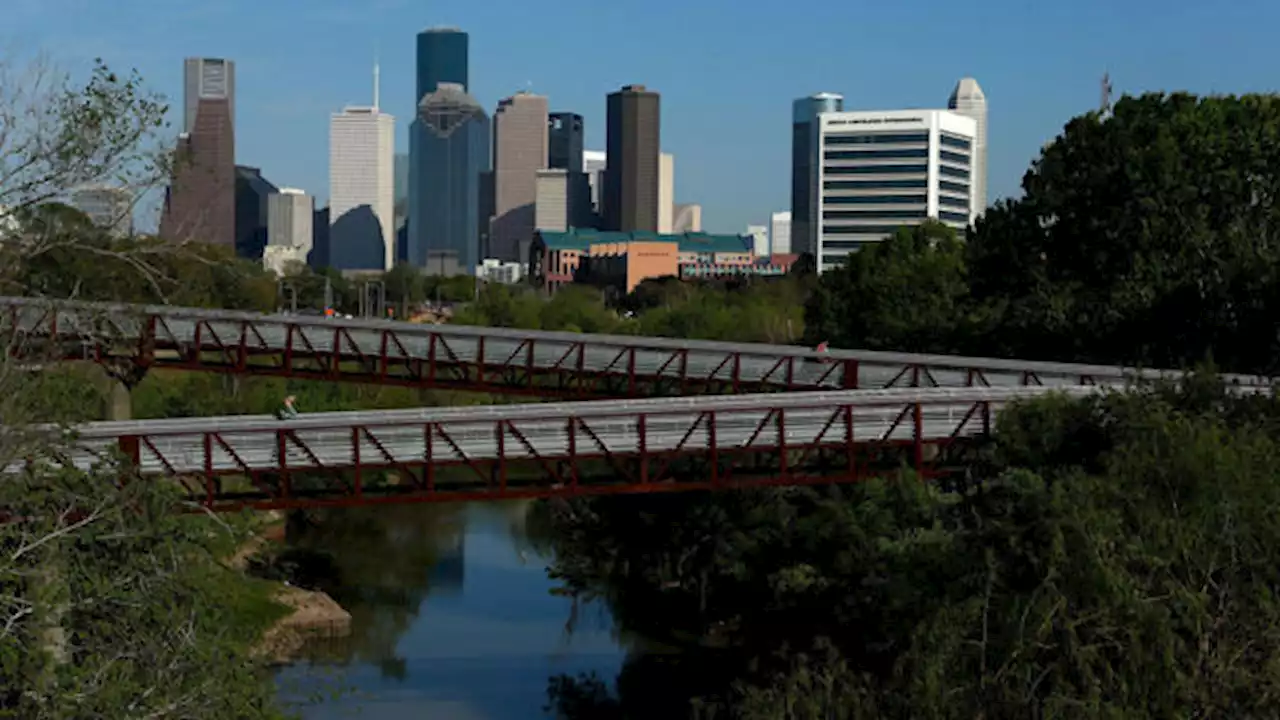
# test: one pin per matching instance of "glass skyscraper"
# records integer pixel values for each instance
(448, 150)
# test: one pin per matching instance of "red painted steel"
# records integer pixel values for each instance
(848, 447)
(425, 356)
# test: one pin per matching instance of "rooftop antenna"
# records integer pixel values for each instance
(1106, 94)
(377, 80)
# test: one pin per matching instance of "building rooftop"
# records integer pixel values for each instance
(581, 239)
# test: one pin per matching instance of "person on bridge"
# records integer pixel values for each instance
(287, 411)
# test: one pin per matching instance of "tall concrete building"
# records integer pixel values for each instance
(876, 171)
(633, 142)
(110, 208)
(290, 214)
(456, 145)
(804, 132)
(594, 163)
(780, 233)
(552, 209)
(252, 191)
(666, 192)
(440, 57)
(520, 141)
(759, 235)
(200, 202)
(361, 189)
(968, 99)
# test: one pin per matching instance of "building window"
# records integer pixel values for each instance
(954, 217)
(961, 173)
(953, 157)
(921, 183)
(877, 154)
(876, 200)
(953, 202)
(837, 230)
(877, 170)
(873, 215)
(949, 186)
(877, 138)
(954, 141)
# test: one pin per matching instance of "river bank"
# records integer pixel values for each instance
(307, 613)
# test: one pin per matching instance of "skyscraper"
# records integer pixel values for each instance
(441, 56)
(594, 163)
(564, 141)
(455, 146)
(252, 192)
(780, 233)
(633, 142)
(804, 113)
(519, 151)
(969, 100)
(200, 202)
(362, 188)
(110, 208)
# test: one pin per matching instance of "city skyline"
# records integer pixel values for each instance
(1035, 83)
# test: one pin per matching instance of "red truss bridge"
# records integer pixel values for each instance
(494, 360)
(553, 449)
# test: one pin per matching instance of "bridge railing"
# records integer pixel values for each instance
(553, 364)
(548, 449)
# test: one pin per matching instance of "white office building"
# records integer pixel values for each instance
(780, 233)
(969, 100)
(593, 164)
(759, 239)
(110, 208)
(666, 192)
(876, 171)
(362, 189)
(290, 215)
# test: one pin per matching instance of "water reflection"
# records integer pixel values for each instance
(452, 615)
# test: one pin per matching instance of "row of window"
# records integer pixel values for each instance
(954, 186)
(961, 173)
(877, 138)
(955, 141)
(953, 157)
(829, 230)
(874, 215)
(953, 202)
(878, 170)
(877, 154)
(904, 184)
(956, 217)
(876, 200)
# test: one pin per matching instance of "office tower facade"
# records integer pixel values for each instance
(552, 209)
(400, 165)
(633, 142)
(780, 233)
(252, 191)
(520, 142)
(877, 171)
(565, 141)
(594, 163)
(290, 214)
(804, 115)
(361, 189)
(968, 99)
(441, 55)
(666, 192)
(110, 208)
(456, 144)
(688, 219)
(759, 235)
(200, 202)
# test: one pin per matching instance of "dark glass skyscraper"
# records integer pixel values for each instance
(445, 156)
(803, 135)
(564, 141)
(633, 142)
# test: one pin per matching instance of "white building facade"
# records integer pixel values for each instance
(759, 239)
(362, 189)
(290, 215)
(666, 192)
(780, 233)
(876, 171)
(969, 100)
(593, 164)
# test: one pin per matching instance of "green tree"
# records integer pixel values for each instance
(908, 293)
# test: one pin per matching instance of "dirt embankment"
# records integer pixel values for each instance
(312, 613)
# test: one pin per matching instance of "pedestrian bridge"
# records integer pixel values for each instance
(495, 360)
(550, 449)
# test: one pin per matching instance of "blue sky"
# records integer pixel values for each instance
(727, 69)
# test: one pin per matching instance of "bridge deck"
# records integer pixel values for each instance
(551, 364)
(551, 448)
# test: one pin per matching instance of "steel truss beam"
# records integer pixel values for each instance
(493, 360)
(553, 449)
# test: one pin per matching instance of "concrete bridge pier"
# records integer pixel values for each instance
(119, 401)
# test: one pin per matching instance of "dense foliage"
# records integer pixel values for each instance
(1146, 237)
